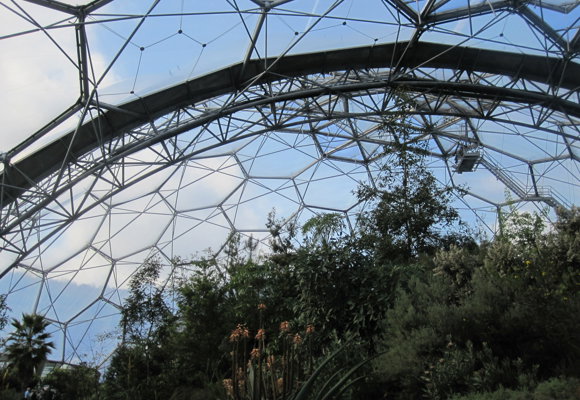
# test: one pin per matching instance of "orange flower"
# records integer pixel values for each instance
(235, 335)
(261, 335)
(309, 329)
(245, 332)
(255, 353)
(261, 306)
(280, 384)
(240, 332)
(229, 387)
(270, 361)
(284, 326)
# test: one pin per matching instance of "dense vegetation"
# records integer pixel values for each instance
(407, 306)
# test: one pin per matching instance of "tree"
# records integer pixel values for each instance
(138, 364)
(28, 347)
(341, 291)
(79, 382)
(204, 321)
(3, 311)
(411, 213)
(145, 314)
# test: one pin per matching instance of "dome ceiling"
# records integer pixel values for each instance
(132, 129)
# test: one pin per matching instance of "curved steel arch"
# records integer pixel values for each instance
(108, 139)
(398, 57)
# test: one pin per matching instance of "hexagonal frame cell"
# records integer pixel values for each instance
(315, 95)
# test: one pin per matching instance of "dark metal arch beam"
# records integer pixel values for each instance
(115, 157)
(556, 73)
(56, 5)
(70, 9)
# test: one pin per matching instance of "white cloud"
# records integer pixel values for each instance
(37, 78)
(32, 96)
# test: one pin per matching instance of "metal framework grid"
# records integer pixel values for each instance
(174, 171)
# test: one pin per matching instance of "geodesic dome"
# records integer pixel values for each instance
(132, 129)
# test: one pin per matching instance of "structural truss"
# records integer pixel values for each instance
(156, 128)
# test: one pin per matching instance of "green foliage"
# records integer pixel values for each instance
(521, 229)
(275, 364)
(340, 290)
(535, 276)
(450, 373)
(204, 320)
(411, 214)
(552, 389)
(145, 314)
(140, 367)
(278, 372)
(503, 316)
(456, 266)
(3, 311)
(74, 383)
(126, 374)
(336, 383)
(10, 394)
(210, 391)
(453, 317)
(321, 229)
(251, 283)
(140, 372)
(282, 235)
(560, 389)
(568, 238)
(28, 347)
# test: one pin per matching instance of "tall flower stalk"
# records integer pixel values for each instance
(260, 372)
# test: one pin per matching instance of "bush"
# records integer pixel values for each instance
(75, 383)
(553, 389)
(500, 394)
(9, 394)
(498, 319)
(558, 389)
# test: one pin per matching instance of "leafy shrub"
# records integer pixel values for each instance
(77, 383)
(9, 394)
(552, 389)
(510, 312)
(500, 394)
(558, 389)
